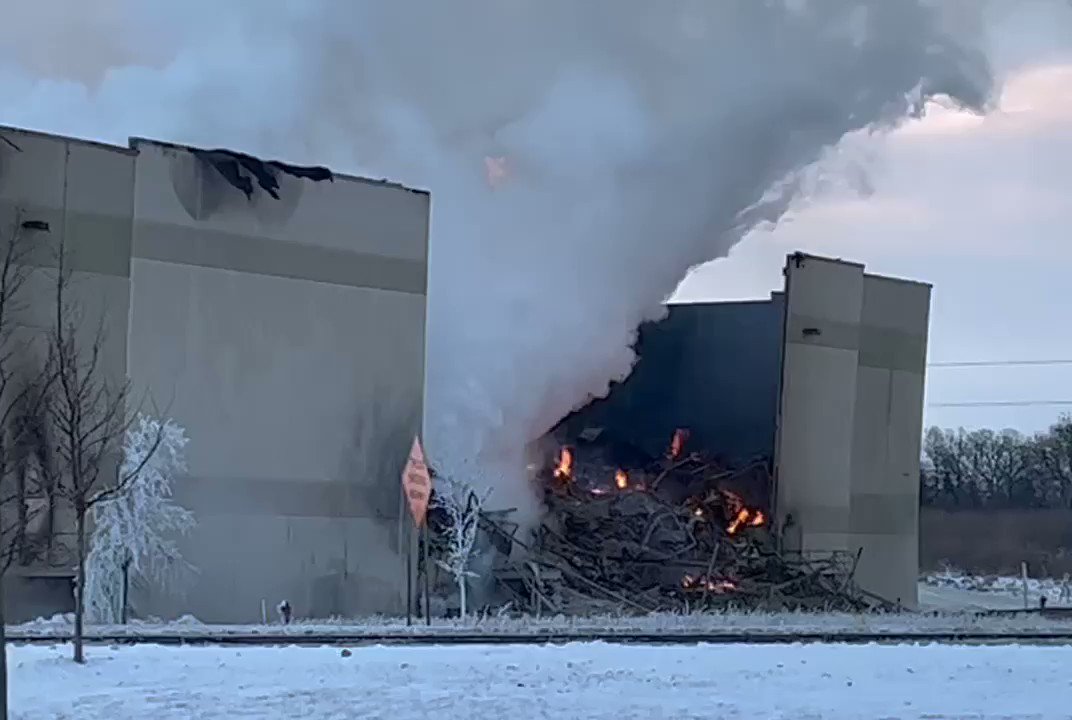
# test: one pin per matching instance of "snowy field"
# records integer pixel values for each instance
(953, 590)
(949, 602)
(729, 622)
(518, 683)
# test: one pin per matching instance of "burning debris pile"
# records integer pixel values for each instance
(679, 532)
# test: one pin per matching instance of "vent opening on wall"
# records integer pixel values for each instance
(35, 225)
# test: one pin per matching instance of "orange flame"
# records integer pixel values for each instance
(564, 468)
(745, 518)
(621, 479)
(677, 443)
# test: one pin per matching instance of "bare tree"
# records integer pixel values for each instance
(89, 414)
(21, 388)
(982, 468)
(462, 506)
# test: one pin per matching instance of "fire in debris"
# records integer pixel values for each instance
(702, 582)
(745, 518)
(740, 516)
(564, 468)
(662, 529)
(677, 443)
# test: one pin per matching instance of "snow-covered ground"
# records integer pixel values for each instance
(571, 681)
(753, 623)
(948, 608)
(950, 602)
(730, 622)
(954, 590)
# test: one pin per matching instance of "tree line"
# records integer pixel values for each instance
(986, 469)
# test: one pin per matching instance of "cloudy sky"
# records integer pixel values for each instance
(977, 206)
(981, 208)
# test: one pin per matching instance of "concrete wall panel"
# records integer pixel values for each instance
(852, 410)
(886, 446)
(287, 336)
(82, 193)
(323, 566)
(814, 471)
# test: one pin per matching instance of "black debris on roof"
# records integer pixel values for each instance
(240, 170)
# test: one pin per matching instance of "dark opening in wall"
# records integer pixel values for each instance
(711, 368)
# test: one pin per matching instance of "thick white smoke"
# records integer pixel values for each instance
(641, 138)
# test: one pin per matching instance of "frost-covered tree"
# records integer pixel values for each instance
(134, 532)
(461, 505)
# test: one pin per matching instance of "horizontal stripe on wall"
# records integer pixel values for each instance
(101, 244)
(95, 243)
(278, 258)
(878, 347)
(885, 514)
(288, 498)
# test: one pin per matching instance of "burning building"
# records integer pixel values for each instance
(765, 452)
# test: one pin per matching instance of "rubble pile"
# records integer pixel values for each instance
(677, 533)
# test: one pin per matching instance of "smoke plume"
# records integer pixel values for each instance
(582, 155)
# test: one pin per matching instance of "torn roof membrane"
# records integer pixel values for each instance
(240, 170)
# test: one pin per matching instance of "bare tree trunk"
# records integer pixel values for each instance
(80, 589)
(461, 596)
(125, 593)
(3, 649)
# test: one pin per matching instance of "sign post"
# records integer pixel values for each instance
(424, 575)
(417, 485)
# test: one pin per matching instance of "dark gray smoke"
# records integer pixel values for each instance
(639, 138)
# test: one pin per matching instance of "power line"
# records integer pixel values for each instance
(1000, 403)
(997, 363)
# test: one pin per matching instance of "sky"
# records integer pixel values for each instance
(981, 207)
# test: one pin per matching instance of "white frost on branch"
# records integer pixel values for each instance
(138, 528)
(462, 507)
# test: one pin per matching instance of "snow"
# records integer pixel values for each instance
(951, 602)
(728, 622)
(952, 590)
(944, 598)
(570, 681)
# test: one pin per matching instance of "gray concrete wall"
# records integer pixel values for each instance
(712, 368)
(851, 420)
(84, 193)
(888, 424)
(287, 336)
(814, 473)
